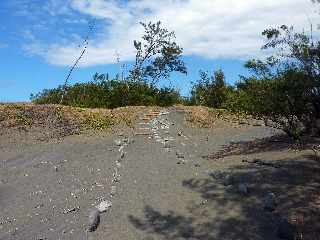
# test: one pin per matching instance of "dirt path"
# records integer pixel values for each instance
(156, 178)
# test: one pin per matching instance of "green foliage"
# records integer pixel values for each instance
(102, 93)
(97, 121)
(210, 91)
(285, 88)
(23, 118)
(156, 55)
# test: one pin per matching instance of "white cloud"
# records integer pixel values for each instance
(207, 28)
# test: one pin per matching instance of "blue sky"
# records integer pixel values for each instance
(39, 39)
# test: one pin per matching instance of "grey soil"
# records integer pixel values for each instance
(165, 191)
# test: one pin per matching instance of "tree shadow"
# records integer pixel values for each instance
(274, 143)
(226, 214)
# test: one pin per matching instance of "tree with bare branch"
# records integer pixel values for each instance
(157, 55)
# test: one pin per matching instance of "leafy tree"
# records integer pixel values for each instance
(210, 91)
(284, 88)
(157, 55)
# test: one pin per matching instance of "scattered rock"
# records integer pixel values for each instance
(122, 154)
(286, 230)
(94, 220)
(243, 188)
(203, 202)
(270, 202)
(116, 178)
(69, 210)
(39, 205)
(197, 165)
(181, 162)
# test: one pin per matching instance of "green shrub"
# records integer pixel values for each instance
(210, 91)
(109, 94)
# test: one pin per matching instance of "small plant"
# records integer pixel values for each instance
(23, 118)
(97, 121)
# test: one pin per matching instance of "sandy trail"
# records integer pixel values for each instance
(163, 190)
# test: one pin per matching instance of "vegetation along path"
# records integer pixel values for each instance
(162, 179)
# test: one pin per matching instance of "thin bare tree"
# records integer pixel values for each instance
(84, 45)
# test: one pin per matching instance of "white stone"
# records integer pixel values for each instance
(117, 142)
(121, 148)
(104, 206)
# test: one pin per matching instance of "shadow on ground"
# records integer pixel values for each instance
(274, 143)
(224, 213)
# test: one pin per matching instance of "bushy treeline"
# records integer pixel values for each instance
(108, 94)
(283, 89)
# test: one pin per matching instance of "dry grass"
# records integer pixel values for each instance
(62, 121)
(205, 117)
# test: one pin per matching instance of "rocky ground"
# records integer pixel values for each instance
(162, 179)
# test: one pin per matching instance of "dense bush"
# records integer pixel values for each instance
(281, 99)
(210, 91)
(285, 88)
(108, 94)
